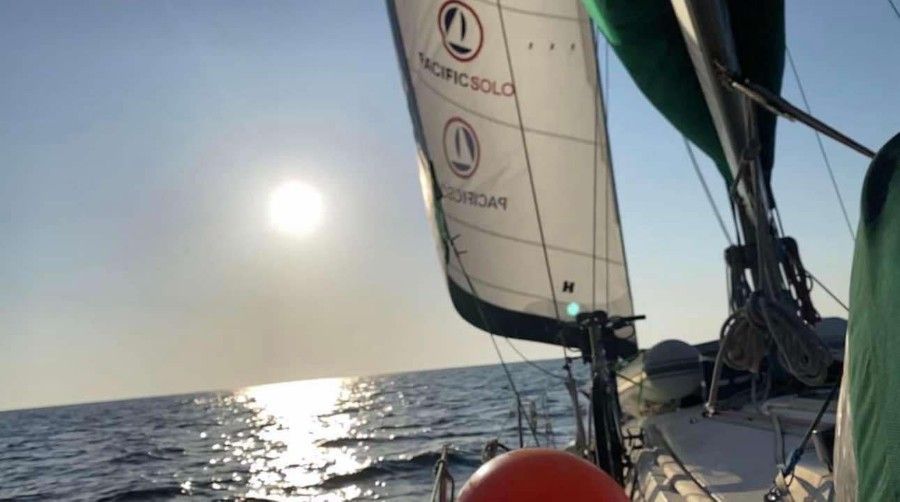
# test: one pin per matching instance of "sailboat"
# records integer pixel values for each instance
(515, 166)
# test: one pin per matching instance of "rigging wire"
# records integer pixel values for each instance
(520, 408)
(834, 184)
(532, 363)
(830, 174)
(828, 291)
(709, 197)
(560, 377)
(801, 448)
(894, 7)
(451, 243)
(537, 210)
(721, 220)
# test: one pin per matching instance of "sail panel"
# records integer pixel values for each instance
(514, 161)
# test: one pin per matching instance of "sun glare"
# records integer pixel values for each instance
(295, 208)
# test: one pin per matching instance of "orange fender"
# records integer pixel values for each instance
(541, 475)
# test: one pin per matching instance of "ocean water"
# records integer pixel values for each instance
(330, 439)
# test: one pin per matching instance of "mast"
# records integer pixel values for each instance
(707, 35)
(780, 293)
(708, 38)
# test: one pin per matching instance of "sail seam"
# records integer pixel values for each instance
(531, 243)
(496, 286)
(495, 120)
(537, 210)
(530, 12)
(491, 285)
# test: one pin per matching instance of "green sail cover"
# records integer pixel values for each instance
(874, 331)
(646, 37)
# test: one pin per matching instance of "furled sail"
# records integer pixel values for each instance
(648, 37)
(514, 159)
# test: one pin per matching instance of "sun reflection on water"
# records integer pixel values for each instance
(292, 421)
(362, 438)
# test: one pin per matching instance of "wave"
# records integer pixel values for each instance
(140, 449)
(418, 462)
(429, 458)
(365, 474)
(341, 411)
(140, 457)
(351, 441)
(354, 441)
(157, 492)
(405, 426)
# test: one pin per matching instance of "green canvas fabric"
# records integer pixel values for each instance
(647, 39)
(874, 331)
(759, 39)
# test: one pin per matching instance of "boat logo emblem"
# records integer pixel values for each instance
(461, 147)
(461, 30)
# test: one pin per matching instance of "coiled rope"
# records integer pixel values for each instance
(749, 332)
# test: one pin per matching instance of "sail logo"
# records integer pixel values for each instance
(461, 30)
(461, 147)
(465, 80)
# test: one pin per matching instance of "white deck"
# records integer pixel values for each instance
(731, 456)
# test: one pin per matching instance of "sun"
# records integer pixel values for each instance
(295, 208)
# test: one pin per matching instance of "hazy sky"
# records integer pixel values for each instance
(139, 142)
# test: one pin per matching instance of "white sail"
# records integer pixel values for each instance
(509, 118)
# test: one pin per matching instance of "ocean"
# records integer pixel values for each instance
(366, 438)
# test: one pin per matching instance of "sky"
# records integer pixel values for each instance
(140, 141)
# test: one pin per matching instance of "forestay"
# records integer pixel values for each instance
(514, 160)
